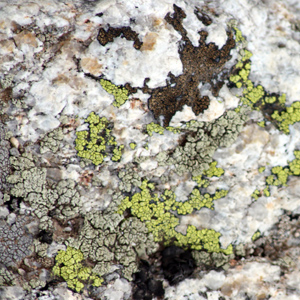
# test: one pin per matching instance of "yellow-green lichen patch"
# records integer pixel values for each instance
(213, 170)
(261, 124)
(95, 144)
(256, 235)
(266, 191)
(256, 194)
(280, 175)
(261, 169)
(210, 172)
(271, 105)
(158, 212)
(120, 93)
(153, 127)
(294, 165)
(289, 116)
(132, 146)
(174, 129)
(201, 181)
(238, 35)
(69, 266)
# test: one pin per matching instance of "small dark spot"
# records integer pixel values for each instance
(45, 237)
(202, 17)
(145, 286)
(99, 15)
(177, 264)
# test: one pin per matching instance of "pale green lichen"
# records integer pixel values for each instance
(29, 182)
(129, 178)
(202, 140)
(156, 212)
(107, 237)
(69, 266)
(120, 93)
(51, 141)
(6, 277)
(95, 144)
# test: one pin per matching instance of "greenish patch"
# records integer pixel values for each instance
(261, 169)
(69, 266)
(51, 141)
(294, 165)
(129, 178)
(153, 127)
(201, 181)
(158, 213)
(174, 129)
(30, 183)
(95, 144)
(256, 235)
(289, 116)
(272, 106)
(117, 153)
(120, 93)
(202, 140)
(107, 238)
(6, 277)
(210, 172)
(267, 191)
(280, 174)
(132, 146)
(213, 170)
(256, 194)
(238, 35)
(261, 124)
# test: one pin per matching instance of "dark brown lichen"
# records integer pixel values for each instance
(202, 64)
(108, 36)
(203, 17)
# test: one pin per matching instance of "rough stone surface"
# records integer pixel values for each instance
(201, 103)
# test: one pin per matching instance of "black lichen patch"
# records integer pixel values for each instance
(45, 237)
(203, 64)
(145, 286)
(177, 264)
(108, 36)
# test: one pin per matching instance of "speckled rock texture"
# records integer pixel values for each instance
(149, 149)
